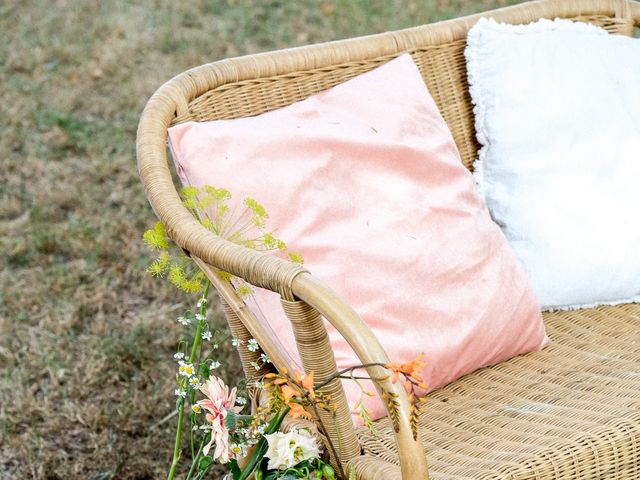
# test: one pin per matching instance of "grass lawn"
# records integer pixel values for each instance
(86, 336)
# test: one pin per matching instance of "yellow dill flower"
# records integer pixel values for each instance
(192, 285)
(223, 208)
(209, 205)
(156, 237)
(244, 290)
(295, 257)
(190, 203)
(269, 240)
(177, 275)
(189, 192)
(256, 208)
(217, 193)
(225, 275)
(160, 265)
(204, 202)
(207, 223)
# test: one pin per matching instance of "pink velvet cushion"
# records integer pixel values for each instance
(365, 181)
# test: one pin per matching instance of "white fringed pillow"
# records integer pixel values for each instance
(557, 109)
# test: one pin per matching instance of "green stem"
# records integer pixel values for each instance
(194, 349)
(195, 460)
(203, 312)
(328, 438)
(176, 447)
(346, 370)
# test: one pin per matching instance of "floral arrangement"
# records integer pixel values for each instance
(219, 429)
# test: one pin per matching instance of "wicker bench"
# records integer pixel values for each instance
(571, 411)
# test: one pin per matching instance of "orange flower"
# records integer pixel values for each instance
(297, 411)
(409, 369)
(307, 383)
(288, 393)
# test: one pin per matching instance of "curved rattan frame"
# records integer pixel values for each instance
(170, 104)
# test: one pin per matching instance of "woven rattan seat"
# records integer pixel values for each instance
(571, 411)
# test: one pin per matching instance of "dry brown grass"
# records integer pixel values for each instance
(86, 337)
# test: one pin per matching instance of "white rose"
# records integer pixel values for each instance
(288, 449)
(306, 446)
(279, 452)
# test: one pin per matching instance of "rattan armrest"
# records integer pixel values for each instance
(364, 343)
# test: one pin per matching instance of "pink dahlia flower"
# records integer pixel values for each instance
(218, 401)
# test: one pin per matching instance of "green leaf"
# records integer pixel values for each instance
(204, 463)
(206, 372)
(231, 420)
(328, 471)
(235, 469)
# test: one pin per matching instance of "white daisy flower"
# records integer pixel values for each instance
(252, 345)
(238, 450)
(206, 335)
(186, 369)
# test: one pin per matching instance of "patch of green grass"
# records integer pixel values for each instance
(86, 336)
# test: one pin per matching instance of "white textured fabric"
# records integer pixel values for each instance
(557, 109)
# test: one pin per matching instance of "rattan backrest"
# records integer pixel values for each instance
(440, 61)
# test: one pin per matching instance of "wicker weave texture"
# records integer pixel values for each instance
(443, 68)
(571, 411)
(317, 357)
